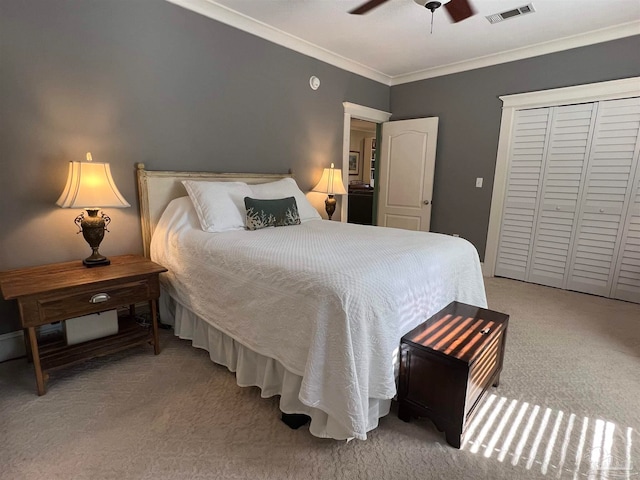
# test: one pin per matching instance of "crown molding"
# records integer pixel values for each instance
(211, 9)
(218, 12)
(567, 43)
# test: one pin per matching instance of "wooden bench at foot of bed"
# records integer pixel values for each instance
(448, 363)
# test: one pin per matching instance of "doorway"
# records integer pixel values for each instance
(398, 185)
(368, 114)
(362, 172)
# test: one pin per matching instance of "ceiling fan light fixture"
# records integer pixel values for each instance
(458, 10)
(432, 6)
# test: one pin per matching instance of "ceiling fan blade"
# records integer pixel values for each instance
(459, 10)
(365, 7)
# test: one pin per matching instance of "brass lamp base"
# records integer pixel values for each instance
(96, 262)
(93, 228)
(330, 205)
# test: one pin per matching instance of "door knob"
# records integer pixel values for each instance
(426, 202)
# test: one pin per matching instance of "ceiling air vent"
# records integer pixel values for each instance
(516, 12)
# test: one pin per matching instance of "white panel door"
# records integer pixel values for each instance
(526, 164)
(407, 162)
(565, 169)
(607, 195)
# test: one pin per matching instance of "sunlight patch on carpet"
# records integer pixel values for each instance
(559, 445)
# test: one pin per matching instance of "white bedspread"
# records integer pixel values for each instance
(328, 300)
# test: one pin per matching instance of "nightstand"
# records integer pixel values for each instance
(56, 292)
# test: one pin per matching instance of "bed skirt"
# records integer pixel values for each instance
(254, 369)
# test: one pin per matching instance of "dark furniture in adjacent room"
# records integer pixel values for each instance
(360, 204)
(447, 365)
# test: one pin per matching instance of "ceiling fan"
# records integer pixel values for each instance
(458, 10)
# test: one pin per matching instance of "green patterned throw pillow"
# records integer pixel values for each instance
(271, 213)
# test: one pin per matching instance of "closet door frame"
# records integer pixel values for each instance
(593, 92)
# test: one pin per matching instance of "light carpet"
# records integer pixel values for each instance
(567, 407)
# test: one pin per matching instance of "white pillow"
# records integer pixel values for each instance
(287, 187)
(219, 205)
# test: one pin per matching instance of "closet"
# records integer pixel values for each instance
(571, 216)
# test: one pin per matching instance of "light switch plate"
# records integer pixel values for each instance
(479, 182)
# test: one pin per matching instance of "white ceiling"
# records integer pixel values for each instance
(392, 43)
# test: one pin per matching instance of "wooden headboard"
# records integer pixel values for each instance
(157, 188)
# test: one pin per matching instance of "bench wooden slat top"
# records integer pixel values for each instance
(459, 331)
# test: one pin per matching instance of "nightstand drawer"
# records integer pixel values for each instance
(61, 305)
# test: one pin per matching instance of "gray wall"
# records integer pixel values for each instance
(146, 81)
(469, 109)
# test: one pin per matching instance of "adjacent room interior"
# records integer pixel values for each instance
(362, 168)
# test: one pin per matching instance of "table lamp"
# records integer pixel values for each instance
(91, 186)
(331, 184)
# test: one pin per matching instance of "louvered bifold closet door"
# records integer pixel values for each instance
(606, 198)
(570, 138)
(526, 164)
(626, 280)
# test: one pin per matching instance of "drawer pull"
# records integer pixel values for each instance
(485, 331)
(99, 298)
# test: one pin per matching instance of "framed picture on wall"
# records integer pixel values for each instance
(354, 163)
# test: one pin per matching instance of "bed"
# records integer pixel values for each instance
(312, 312)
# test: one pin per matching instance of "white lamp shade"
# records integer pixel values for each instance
(90, 185)
(331, 182)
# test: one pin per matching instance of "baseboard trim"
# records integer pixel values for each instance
(11, 346)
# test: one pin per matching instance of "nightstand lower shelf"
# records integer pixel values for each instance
(58, 354)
